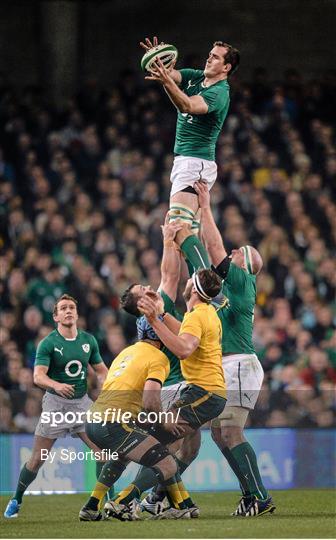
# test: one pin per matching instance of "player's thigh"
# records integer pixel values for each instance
(61, 417)
(84, 437)
(79, 409)
(189, 200)
(231, 417)
(41, 443)
(197, 406)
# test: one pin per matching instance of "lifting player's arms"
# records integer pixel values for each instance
(170, 275)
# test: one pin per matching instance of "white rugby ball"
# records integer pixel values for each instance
(167, 54)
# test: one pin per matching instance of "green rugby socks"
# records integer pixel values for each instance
(25, 479)
(247, 461)
(195, 252)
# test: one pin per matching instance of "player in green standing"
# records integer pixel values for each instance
(61, 368)
(202, 99)
(243, 371)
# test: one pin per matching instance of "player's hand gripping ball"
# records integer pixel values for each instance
(167, 53)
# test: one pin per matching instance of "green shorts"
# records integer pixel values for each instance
(197, 405)
(114, 436)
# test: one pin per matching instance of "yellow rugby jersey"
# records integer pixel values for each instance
(204, 366)
(126, 378)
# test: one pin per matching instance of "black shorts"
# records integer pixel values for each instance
(115, 436)
(197, 405)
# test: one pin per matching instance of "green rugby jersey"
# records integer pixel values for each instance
(197, 134)
(237, 319)
(68, 359)
(175, 374)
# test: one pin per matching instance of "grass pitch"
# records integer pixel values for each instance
(299, 514)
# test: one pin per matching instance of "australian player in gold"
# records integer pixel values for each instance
(134, 384)
(197, 342)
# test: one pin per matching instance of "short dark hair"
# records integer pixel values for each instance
(210, 281)
(63, 297)
(129, 301)
(232, 56)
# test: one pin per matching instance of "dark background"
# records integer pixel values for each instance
(60, 44)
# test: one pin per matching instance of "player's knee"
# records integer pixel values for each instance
(35, 462)
(189, 450)
(189, 454)
(227, 436)
(232, 436)
(155, 456)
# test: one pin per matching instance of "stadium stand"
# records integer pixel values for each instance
(83, 191)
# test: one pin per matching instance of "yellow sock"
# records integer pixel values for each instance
(184, 493)
(99, 492)
(128, 493)
(175, 495)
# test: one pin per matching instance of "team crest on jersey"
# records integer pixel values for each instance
(86, 347)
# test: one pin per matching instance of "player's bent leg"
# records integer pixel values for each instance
(149, 453)
(99, 462)
(163, 467)
(42, 445)
(184, 455)
(28, 473)
(114, 437)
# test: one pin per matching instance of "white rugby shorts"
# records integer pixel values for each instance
(54, 403)
(171, 393)
(243, 377)
(188, 170)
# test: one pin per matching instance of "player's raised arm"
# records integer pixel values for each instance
(211, 234)
(171, 259)
(183, 103)
(148, 44)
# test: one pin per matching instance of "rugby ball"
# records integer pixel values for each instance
(167, 54)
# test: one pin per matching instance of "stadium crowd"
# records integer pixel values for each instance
(84, 190)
